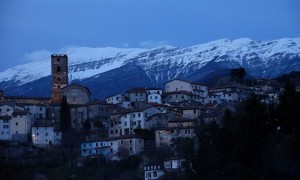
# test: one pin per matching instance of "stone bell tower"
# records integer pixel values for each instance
(59, 72)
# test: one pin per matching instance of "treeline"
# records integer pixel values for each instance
(292, 76)
(256, 141)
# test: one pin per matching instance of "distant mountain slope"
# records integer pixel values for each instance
(109, 70)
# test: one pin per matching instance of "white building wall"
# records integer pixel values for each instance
(154, 98)
(20, 126)
(4, 129)
(177, 85)
(45, 136)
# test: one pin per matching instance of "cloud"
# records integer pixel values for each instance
(151, 43)
(36, 55)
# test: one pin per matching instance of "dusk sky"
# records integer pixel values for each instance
(42, 26)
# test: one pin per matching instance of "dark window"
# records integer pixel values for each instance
(57, 59)
(58, 79)
(17, 123)
(130, 141)
(58, 69)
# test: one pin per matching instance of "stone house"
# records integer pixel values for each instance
(189, 112)
(159, 120)
(167, 136)
(76, 94)
(180, 96)
(136, 94)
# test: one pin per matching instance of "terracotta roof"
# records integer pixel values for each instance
(5, 117)
(180, 92)
(131, 111)
(19, 112)
(75, 84)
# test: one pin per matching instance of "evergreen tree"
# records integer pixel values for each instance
(87, 126)
(65, 115)
(237, 74)
(289, 109)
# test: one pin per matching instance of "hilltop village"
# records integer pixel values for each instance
(132, 123)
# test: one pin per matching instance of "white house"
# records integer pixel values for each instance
(213, 99)
(114, 147)
(154, 98)
(44, 134)
(15, 123)
(36, 111)
(153, 172)
(154, 95)
(174, 163)
(125, 122)
(136, 119)
(5, 127)
(115, 99)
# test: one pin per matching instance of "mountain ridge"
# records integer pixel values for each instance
(261, 59)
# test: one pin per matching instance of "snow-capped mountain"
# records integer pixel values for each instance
(111, 70)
